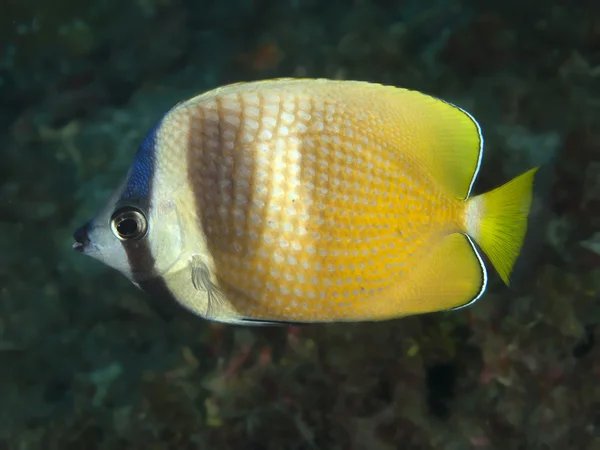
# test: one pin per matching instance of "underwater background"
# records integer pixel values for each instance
(85, 361)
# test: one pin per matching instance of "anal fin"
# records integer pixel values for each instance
(453, 275)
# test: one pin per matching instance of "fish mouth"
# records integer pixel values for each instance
(82, 239)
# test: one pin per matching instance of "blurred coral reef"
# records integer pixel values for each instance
(86, 364)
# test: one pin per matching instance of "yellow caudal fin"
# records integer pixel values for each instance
(505, 220)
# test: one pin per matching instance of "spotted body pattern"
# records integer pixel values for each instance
(311, 201)
(309, 204)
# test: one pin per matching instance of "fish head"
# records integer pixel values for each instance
(139, 238)
(138, 231)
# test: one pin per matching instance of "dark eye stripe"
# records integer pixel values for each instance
(142, 263)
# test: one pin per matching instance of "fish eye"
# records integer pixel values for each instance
(128, 223)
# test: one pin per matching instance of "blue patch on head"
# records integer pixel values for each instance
(142, 171)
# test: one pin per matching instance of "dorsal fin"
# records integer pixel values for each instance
(449, 140)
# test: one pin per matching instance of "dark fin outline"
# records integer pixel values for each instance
(477, 168)
(484, 273)
(275, 323)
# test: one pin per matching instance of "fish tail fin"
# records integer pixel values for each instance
(505, 222)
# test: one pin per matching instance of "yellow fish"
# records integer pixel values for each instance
(311, 200)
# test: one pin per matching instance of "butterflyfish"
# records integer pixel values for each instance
(312, 200)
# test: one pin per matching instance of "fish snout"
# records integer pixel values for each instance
(82, 239)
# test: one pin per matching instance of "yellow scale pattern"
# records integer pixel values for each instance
(310, 206)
